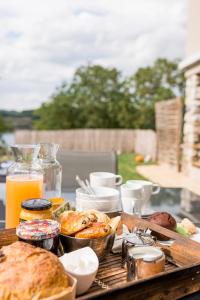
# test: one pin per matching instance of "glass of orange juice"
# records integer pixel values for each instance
(24, 181)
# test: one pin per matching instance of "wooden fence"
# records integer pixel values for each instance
(122, 140)
(169, 130)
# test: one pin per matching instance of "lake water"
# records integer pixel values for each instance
(9, 138)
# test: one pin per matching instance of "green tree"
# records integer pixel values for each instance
(3, 126)
(100, 97)
(96, 98)
(161, 81)
(59, 113)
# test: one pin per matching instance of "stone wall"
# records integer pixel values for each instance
(169, 131)
(191, 145)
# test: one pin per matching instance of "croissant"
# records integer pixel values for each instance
(96, 230)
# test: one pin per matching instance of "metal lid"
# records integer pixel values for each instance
(38, 229)
(139, 239)
(36, 204)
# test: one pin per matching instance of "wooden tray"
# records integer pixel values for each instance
(181, 276)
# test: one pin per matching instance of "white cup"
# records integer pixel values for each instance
(149, 189)
(105, 179)
(132, 198)
(105, 200)
(73, 262)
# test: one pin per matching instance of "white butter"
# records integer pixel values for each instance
(81, 265)
(82, 261)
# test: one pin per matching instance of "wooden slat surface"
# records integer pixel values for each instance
(7, 237)
(112, 274)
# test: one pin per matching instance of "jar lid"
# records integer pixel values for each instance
(38, 229)
(36, 204)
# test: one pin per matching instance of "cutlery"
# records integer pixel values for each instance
(89, 187)
(82, 185)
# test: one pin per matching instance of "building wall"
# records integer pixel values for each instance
(169, 132)
(191, 141)
(191, 144)
(193, 28)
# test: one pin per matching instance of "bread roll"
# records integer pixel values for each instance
(97, 230)
(101, 217)
(165, 220)
(27, 272)
(188, 225)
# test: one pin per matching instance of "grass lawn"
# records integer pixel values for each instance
(127, 166)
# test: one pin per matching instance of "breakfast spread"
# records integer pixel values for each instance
(80, 237)
(27, 272)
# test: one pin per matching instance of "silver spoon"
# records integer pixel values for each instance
(89, 187)
(82, 185)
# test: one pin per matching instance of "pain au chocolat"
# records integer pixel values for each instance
(27, 272)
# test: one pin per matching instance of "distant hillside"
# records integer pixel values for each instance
(18, 120)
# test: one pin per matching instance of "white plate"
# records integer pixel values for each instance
(195, 237)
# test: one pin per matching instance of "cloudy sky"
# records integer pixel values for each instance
(42, 42)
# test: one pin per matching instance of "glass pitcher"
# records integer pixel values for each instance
(24, 181)
(52, 171)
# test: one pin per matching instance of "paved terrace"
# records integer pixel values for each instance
(167, 177)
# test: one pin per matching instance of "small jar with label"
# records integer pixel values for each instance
(35, 209)
(40, 233)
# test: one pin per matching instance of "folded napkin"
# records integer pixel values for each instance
(117, 247)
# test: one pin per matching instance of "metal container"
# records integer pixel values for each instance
(143, 262)
(101, 246)
(137, 238)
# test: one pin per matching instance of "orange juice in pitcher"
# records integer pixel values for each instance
(24, 181)
(18, 189)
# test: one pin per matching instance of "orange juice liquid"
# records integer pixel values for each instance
(18, 189)
(56, 202)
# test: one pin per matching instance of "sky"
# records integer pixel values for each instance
(42, 42)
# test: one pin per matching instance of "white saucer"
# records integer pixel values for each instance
(195, 237)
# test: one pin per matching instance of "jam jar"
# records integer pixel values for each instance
(40, 233)
(35, 209)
